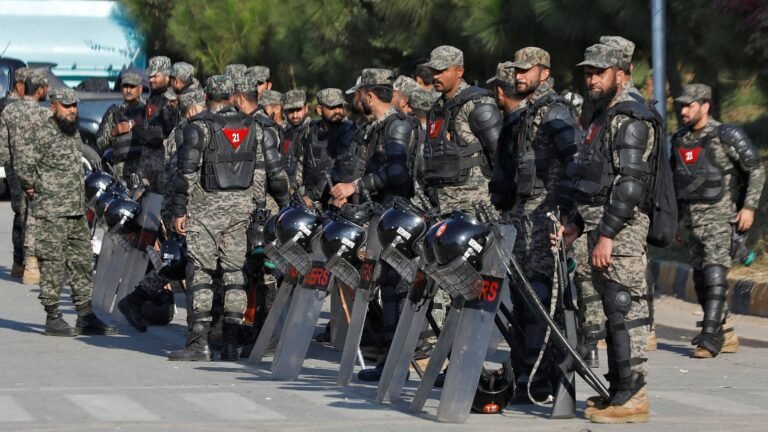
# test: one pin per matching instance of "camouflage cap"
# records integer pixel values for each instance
(528, 57)
(445, 56)
(405, 85)
(504, 72)
(219, 85)
(261, 73)
(423, 100)
(170, 94)
(601, 56)
(693, 93)
(191, 97)
(21, 74)
(245, 84)
(64, 96)
(626, 46)
(183, 71)
(376, 77)
(294, 99)
(330, 97)
(37, 77)
(234, 70)
(271, 97)
(159, 64)
(131, 78)
(355, 87)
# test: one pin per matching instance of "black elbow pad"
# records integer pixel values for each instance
(273, 161)
(737, 139)
(631, 144)
(625, 196)
(561, 125)
(180, 196)
(485, 122)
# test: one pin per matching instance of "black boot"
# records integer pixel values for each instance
(130, 307)
(196, 348)
(55, 324)
(230, 335)
(90, 325)
(371, 374)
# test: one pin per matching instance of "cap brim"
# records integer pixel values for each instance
(293, 106)
(685, 100)
(594, 63)
(352, 89)
(492, 79)
(522, 65)
(437, 65)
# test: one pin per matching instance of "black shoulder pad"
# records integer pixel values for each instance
(634, 109)
(633, 134)
(399, 129)
(736, 138)
(560, 111)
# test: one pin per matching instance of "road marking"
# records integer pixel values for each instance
(114, 407)
(11, 411)
(231, 406)
(711, 404)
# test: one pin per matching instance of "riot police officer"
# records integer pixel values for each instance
(223, 167)
(718, 182)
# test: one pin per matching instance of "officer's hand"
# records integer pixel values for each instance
(342, 190)
(122, 128)
(307, 201)
(339, 202)
(601, 255)
(30, 194)
(180, 225)
(744, 219)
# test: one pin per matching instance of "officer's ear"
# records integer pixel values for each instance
(544, 75)
(706, 104)
(460, 71)
(620, 75)
(318, 110)
(53, 107)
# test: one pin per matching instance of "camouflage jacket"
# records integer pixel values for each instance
(16, 122)
(52, 166)
(748, 186)
(116, 113)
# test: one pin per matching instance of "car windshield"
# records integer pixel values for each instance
(5, 80)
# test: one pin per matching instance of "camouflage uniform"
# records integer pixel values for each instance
(475, 188)
(18, 199)
(622, 285)
(17, 122)
(51, 166)
(543, 142)
(134, 111)
(235, 70)
(160, 120)
(185, 73)
(707, 221)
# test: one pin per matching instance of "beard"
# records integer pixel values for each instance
(67, 127)
(529, 89)
(601, 99)
(367, 110)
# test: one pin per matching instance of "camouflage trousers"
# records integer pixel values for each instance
(707, 235)
(64, 248)
(152, 168)
(23, 234)
(212, 245)
(628, 268)
(532, 248)
(590, 303)
(461, 197)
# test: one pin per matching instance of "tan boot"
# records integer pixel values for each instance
(731, 344)
(636, 410)
(17, 271)
(652, 342)
(701, 353)
(594, 404)
(31, 271)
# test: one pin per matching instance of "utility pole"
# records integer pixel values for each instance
(659, 34)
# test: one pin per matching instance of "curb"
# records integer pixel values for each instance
(676, 279)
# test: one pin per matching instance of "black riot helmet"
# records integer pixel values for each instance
(460, 235)
(116, 190)
(298, 222)
(494, 390)
(173, 254)
(108, 157)
(96, 183)
(122, 211)
(404, 222)
(269, 230)
(427, 250)
(342, 234)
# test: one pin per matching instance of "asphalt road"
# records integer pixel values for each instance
(125, 383)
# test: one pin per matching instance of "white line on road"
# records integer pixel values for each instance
(112, 407)
(11, 411)
(231, 406)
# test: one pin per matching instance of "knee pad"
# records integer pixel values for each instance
(715, 275)
(617, 300)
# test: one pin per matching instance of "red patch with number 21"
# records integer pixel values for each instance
(235, 136)
(690, 156)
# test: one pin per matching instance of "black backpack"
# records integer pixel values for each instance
(660, 202)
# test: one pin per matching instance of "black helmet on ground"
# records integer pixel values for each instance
(173, 254)
(296, 221)
(342, 234)
(116, 190)
(494, 390)
(404, 222)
